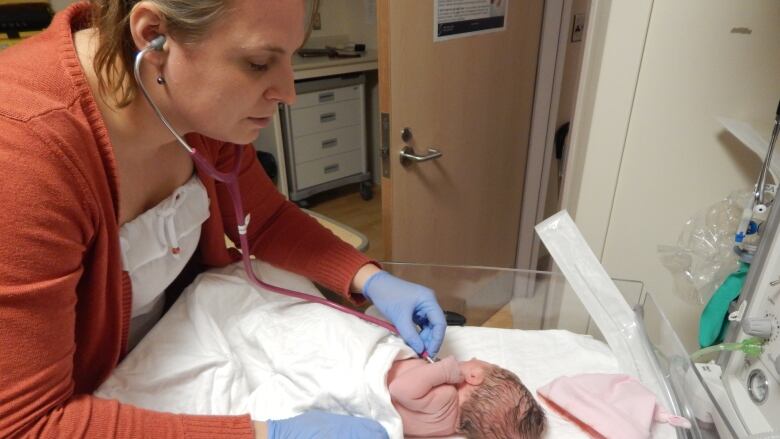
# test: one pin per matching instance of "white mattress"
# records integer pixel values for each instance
(226, 348)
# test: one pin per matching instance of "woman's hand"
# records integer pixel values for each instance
(408, 305)
(317, 424)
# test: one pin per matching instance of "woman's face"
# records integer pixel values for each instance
(227, 85)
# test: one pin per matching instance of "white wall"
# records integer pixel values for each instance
(647, 152)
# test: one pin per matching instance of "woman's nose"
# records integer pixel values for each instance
(282, 88)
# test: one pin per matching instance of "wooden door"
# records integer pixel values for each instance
(471, 99)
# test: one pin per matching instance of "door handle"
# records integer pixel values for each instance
(408, 155)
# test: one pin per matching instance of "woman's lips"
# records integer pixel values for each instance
(262, 122)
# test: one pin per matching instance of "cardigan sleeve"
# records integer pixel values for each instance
(47, 222)
(281, 233)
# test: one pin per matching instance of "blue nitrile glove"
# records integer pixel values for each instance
(406, 305)
(317, 424)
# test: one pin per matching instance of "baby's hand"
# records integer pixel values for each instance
(452, 370)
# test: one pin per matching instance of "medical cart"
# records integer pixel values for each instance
(325, 137)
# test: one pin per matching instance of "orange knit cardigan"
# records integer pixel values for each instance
(64, 299)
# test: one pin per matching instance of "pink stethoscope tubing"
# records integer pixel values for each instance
(230, 179)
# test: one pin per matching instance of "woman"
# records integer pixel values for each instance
(102, 211)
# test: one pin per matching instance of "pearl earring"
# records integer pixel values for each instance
(160, 80)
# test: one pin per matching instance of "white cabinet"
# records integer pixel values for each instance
(325, 136)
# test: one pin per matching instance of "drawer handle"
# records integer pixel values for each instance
(327, 97)
(330, 143)
(327, 117)
(331, 168)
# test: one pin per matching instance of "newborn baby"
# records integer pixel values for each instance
(472, 398)
(227, 348)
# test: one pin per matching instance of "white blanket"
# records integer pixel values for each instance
(228, 348)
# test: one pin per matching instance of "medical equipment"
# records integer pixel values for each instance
(759, 190)
(756, 210)
(230, 179)
(703, 255)
(749, 386)
(745, 388)
(713, 322)
(751, 347)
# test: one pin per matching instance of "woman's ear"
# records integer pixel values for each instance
(147, 23)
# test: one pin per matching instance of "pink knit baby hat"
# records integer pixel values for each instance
(613, 406)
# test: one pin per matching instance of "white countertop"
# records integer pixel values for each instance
(315, 67)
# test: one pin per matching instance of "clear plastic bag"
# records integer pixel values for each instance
(704, 254)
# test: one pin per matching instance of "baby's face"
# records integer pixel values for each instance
(473, 371)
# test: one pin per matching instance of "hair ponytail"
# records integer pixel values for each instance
(113, 58)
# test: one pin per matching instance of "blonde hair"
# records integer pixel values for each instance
(115, 55)
(501, 408)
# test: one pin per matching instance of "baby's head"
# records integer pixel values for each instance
(494, 404)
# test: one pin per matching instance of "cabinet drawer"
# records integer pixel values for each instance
(313, 98)
(328, 168)
(326, 117)
(315, 146)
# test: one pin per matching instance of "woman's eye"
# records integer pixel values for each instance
(258, 67)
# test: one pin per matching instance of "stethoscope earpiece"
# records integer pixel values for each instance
(157, 43)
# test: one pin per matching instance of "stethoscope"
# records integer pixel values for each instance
(230, 179)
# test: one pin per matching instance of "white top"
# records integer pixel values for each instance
(156, 246)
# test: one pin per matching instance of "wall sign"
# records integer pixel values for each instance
(462, 18)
